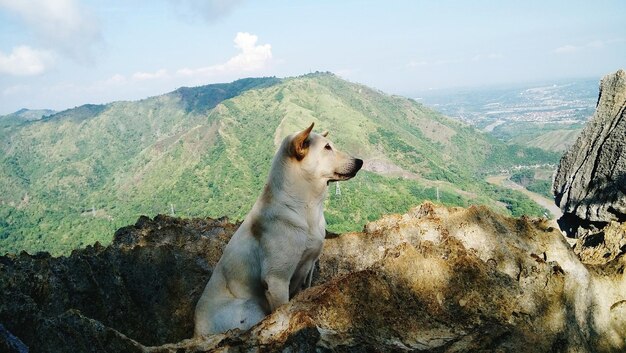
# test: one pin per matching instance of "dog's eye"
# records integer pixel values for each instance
(328, 147)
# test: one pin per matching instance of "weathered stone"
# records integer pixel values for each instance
(436, 279)
(144, 285)
(590, 183)
(602, 247)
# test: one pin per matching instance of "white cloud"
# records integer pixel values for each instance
(63, 24)
(593, 45)
(116, 79)
(209, 10)
(567, 49)
(137, 77)
(140, 76)
(253, 57)
(417, 63)
(25, 61)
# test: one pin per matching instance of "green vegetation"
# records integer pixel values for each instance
(555, 137)
(528, 179)
(515, 201)
(369, 196)
(73, 178)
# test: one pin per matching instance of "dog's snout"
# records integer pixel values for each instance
(358, 163)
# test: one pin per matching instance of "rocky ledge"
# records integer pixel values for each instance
(435, 279)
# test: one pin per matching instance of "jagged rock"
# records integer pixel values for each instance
(72, 332)
(599, 248)
(590, 183)
(436, 279)
(144, 285)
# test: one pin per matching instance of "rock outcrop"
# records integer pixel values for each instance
(436, 279)
(590, 183)
(144, 286)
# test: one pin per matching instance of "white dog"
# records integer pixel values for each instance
(273, 253)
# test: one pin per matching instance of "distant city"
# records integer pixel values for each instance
(563, 102)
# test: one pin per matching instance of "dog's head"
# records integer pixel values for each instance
(319, 159)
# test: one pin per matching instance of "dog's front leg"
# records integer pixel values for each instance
(309, 277)
(276, 291)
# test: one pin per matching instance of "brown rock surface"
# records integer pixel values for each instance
(604, 246)
(143, 286)
(435, 279)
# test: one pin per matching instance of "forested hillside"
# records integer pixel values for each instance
(72, 178)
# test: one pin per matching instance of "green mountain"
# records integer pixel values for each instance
(23, 115)
(72, 178)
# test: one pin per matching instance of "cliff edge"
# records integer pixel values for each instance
(590, 183)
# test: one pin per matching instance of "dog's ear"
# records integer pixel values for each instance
(300, 143)
(325, 133)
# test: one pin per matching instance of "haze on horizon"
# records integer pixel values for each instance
(58, 54)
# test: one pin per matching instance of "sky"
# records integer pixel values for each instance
(58, 54)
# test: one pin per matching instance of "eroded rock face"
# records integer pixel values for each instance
(435, 279)
(604, 246)
(143, 286)
(590, 184)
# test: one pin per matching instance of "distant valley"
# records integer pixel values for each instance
(71, 178)
(546, 115)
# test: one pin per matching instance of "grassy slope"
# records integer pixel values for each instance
(547, 136)
(72, 179)
(556, 140)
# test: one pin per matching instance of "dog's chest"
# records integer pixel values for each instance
(315, 239)
(314, 246)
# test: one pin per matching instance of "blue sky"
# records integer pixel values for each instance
(62, 53)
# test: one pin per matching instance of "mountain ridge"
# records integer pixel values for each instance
(74, 177)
